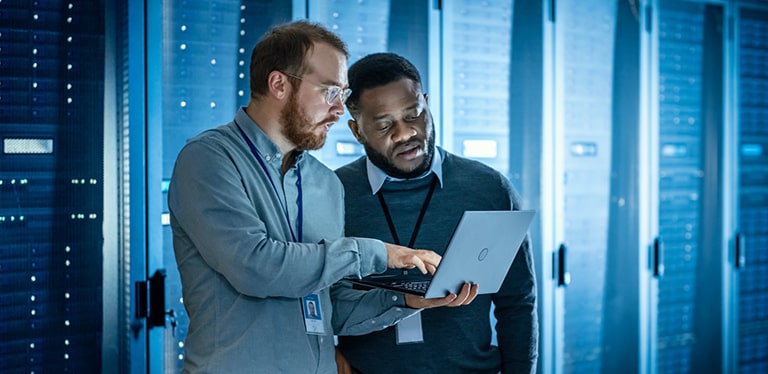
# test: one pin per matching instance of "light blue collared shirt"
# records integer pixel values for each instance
(242, 272)
(377, 177)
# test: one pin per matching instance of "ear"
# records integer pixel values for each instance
(278, 85)
(426, 98)
(355, 128)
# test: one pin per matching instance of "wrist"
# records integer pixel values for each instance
(411, 301)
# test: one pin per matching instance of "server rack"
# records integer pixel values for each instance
(750, 242)
(51, 185)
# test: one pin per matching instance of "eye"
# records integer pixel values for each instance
(383, 126)
(332, 94)
(415, 115)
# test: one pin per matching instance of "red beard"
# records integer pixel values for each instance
(297, 128)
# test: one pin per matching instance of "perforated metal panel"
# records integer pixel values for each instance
(479, 45)
(585, 39)
(690, 97)
(753, 190)
(51, 205)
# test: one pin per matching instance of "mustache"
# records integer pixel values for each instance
(331, 118)
(415, 139)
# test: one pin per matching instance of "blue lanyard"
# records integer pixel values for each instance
(299, 219)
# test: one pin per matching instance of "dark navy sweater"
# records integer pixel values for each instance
(458, 339)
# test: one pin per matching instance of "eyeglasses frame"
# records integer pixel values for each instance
(332, 92)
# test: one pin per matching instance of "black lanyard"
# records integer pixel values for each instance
(300, 217)
(424, 206)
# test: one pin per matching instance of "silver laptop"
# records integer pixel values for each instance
(481, 250)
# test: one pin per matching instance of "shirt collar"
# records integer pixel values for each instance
(268, 150)
(377, 177)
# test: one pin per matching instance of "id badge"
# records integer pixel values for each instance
(313, 315)
(409, 330)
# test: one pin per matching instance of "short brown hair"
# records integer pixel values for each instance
(284, 48)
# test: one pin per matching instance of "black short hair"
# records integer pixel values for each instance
(376, 70)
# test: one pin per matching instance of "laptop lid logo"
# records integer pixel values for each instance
(483, 253)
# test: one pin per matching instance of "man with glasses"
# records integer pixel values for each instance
(258, 223)
(411, 192)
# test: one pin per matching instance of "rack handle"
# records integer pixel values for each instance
(741, 249)
(561, 272)
(658, 257)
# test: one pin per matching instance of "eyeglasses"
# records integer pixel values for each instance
(332, 92)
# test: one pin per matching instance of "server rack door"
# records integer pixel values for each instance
(51, 186)
(589, 46)
(476, 60)
(690, 102)
(596, 102)
(751, 244)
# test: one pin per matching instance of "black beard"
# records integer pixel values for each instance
(383, 163)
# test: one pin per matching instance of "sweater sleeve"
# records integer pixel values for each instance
(517, 323)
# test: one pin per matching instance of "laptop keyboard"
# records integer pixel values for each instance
(420, 286)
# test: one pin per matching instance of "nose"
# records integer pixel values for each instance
(337, 107)
(402, 132)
